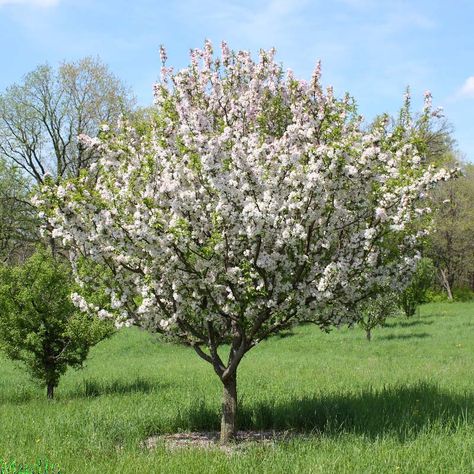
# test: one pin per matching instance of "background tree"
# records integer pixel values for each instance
(39, 325)
(41, 118)
(255, 202)
(144, 119)
(18, 218)
(450, 245)
(40, 121)
(376, 309)
(452, 242)
(429, 130)
(416, 292)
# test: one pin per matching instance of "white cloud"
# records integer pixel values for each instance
(31, 3)
(467, 89)
(261, 24)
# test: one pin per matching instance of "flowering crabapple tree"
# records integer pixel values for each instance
(254, 201)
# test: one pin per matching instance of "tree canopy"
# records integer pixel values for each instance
(255, 201)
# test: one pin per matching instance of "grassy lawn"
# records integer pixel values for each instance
(401, 403)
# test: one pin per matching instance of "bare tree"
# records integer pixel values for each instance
(41, 118)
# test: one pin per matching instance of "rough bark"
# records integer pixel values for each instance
(229, 408)
(368, 334)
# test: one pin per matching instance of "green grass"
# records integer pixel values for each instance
(401, 403)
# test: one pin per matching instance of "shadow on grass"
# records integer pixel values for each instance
(88, 388)
(91, 388)
(416, 335)
(408, 324)
(402, 411)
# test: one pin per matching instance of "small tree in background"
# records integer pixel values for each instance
(415, 293)
(39, 325)
(376, 309)
(255, 201)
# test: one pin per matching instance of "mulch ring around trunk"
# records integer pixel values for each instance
(210, 440)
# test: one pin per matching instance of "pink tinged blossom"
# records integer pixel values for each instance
(88, 142)
(381, 214)
(225, 53)
(428, 99)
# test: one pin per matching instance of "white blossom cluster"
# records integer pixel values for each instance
(255, 201)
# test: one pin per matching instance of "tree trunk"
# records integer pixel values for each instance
(229, 409)
(368, 334)
(50, 391)
(447, 286)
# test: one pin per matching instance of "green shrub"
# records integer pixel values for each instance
(463, 294)
(436, 296)
(375, 310)
(39, 325)
(459, 294)
(417, 292)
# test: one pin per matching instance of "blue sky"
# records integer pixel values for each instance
(371, 48)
